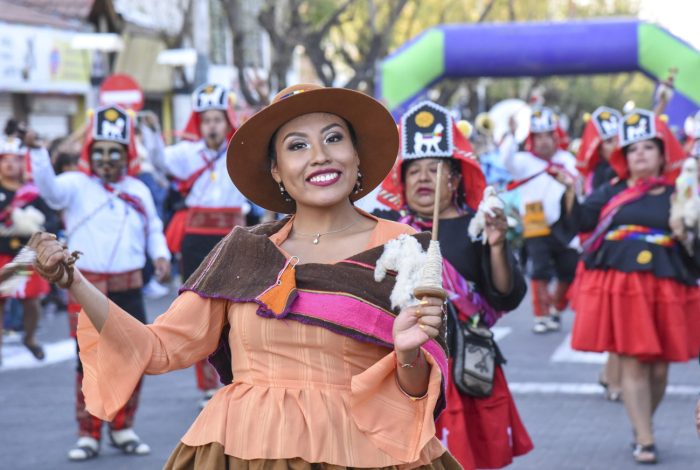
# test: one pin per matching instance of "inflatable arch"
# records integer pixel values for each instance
(540, 49)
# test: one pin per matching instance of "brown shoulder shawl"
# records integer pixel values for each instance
(342, 297)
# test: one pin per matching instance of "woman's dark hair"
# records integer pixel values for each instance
(272, 152)
(455, 170)
(659, 144)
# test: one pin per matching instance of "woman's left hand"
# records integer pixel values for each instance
(162, 267)
(677, 227)
(496, 228)
(418, 324)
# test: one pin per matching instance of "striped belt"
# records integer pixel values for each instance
(640, 232)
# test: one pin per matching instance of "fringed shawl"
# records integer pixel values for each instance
(342, 297)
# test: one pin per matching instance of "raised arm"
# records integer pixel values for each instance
(115, 348)
(508, 150)
(57, 191)
(177, 159)
(580, 216)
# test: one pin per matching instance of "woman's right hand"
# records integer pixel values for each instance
(50, 253)
(562, 176)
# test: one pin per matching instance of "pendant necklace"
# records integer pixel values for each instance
(317, 236)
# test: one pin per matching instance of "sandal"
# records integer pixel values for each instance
(86, 448)
(608, 392)
(36, 350)
(613, 395)
(130, 443)
(645, 454)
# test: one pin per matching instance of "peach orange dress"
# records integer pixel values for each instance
(301, 394)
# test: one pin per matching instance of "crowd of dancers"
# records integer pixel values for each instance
(610, 230)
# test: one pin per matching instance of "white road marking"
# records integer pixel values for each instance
(572, 388)
(16, 356)
(564, 353)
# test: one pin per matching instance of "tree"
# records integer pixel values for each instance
(345, 39)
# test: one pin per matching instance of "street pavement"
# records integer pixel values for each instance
(572, 426)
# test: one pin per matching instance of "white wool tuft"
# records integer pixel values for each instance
(406, 257)
(685, 203)
(488, 203)
(26, 221)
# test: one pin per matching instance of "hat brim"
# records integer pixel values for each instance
(247, 155)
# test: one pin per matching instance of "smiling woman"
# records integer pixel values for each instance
(347, 380)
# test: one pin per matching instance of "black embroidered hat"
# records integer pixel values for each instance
(112, 123)
(606, 121)
(210, 96)
(426, 131)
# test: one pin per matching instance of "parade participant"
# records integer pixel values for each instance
(692, 143)
(306, 383)
(546, 244)
(638, 296)
(598, 142)
(483, 279)
(22, 212)
(213, 206)
(109, 216)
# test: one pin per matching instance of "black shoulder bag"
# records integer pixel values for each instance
(474, 354)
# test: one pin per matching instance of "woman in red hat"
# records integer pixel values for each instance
(638, 296)
(482, 276)
(598, 142)
(319, 368)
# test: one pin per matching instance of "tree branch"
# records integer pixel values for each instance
(511, 10)
(485, 12)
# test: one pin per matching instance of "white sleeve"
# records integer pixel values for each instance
(177, 160)
(156, 245)
(508, 150)
(571, 164)
(516, 164)
(155, 145)
(57, 191)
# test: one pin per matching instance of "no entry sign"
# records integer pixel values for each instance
(122, 90)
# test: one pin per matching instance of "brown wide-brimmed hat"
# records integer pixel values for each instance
(247, 156)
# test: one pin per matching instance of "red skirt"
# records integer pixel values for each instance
(483, 432)
(636, 314)
(175, 231)
(34, 287)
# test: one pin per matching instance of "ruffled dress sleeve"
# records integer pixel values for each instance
(398, 424)
(115, 359)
